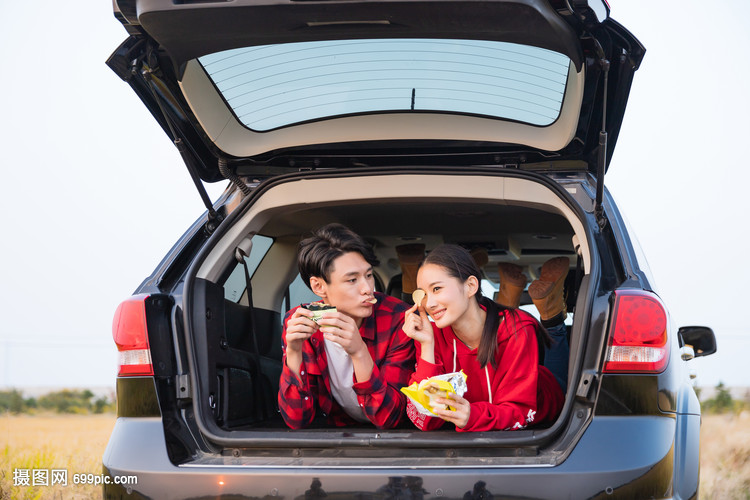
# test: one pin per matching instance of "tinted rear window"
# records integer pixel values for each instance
(273, 86)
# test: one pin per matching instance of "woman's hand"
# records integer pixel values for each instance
(417, 325)
(459, 415)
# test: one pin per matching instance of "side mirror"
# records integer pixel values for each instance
(600, 9)
(700, 338)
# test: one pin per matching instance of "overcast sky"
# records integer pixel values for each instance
(94, 193)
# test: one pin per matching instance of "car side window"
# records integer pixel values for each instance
(297, 293)
(234, 286)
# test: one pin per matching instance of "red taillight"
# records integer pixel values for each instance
(638, 340)
(131, 336)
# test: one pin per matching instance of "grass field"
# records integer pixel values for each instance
(72, 442)
(76, 443)
(725, 456)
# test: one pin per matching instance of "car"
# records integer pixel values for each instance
(488, 124)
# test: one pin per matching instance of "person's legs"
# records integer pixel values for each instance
(556, 357)
(512, 283)
(547, 291)
(547, 295)
(481, 257)
(409, 257)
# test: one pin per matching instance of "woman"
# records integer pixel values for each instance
(496, 347)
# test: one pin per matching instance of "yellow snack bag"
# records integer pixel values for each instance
(424, 393)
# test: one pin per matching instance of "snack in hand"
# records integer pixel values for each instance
(418, 296)
(318, 308)
(433, 389)
(424, 393)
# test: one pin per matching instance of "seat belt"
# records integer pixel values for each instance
(241, 254)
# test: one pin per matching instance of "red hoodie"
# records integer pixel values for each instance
(522, 392)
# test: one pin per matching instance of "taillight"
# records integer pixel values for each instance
(638, 340)
(131, 336)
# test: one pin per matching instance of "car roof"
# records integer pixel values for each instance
(270, 83)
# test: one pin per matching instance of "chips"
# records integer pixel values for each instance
(434, 389)
(424, 393)
(418, 296)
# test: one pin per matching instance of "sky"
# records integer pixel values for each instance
(94, 193)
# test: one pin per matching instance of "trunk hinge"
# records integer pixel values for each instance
(214, 218)
(184, 391)
(601, 163)
(588, 377)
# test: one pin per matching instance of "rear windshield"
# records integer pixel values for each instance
(273, 86)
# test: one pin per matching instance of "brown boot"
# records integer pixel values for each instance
(410, 256)
(547, 291)
(481, 256)
(512, 283)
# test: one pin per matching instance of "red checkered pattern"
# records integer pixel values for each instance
(393, 354)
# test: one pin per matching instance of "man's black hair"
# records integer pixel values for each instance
(317, 253)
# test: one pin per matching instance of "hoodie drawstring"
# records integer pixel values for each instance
(486, 372)
(454, 355)
(489, 387)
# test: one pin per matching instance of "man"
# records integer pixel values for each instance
(350, 365)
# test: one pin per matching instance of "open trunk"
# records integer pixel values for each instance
(486, 123)
(518, 217)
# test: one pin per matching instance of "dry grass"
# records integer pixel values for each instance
(725, 456)
(77, 442)
(72, 442)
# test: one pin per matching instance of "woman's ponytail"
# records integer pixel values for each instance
(488, 342)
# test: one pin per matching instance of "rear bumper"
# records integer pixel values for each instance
(616, 457)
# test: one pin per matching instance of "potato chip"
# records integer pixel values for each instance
(424, 393)
(418, 295)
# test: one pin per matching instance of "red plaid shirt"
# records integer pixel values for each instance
(392, 353)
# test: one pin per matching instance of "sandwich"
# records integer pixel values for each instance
(317, 309)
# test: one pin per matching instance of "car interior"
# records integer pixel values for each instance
(240, 353)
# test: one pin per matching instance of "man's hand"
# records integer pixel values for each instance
(341, 329)
(298, 329)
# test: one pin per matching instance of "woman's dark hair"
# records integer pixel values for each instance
(317, 253)
(458, 263)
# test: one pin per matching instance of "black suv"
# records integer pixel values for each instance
(489, 124)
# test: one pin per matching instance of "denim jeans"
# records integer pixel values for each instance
(557, 355)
